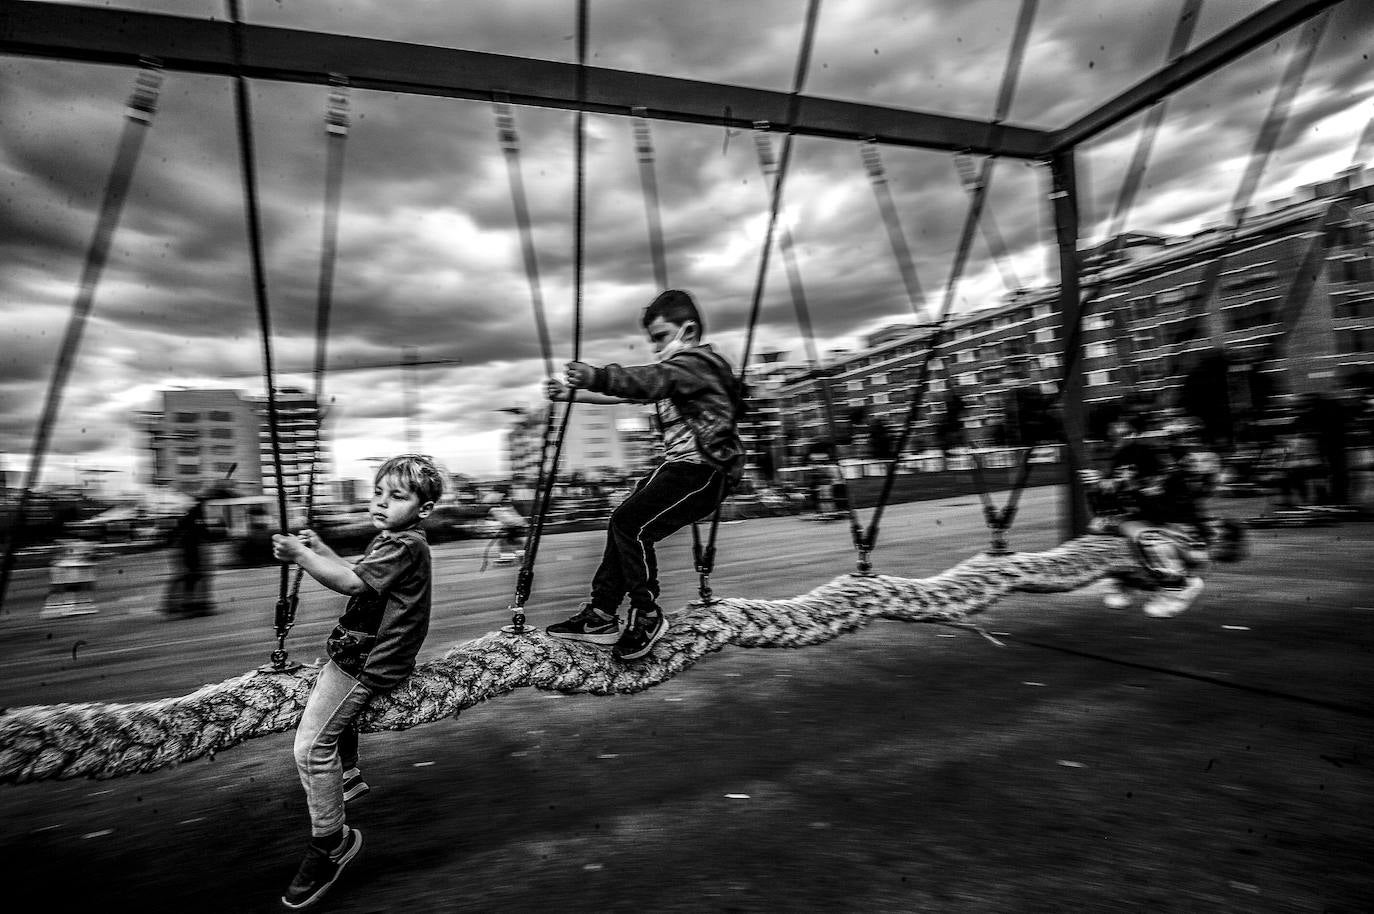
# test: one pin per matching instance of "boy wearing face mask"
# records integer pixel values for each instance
(698, 398)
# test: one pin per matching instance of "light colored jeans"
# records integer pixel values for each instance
(334, 704)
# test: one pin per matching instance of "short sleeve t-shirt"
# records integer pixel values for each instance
(396, 606)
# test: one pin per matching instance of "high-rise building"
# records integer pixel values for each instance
(205, 437)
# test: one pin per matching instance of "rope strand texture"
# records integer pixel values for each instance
(113, 740)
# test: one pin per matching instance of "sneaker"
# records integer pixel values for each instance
(353, 785)
(1171, 602)
(320, 869)
(642, 632)
(592, 625)
(1114, 596)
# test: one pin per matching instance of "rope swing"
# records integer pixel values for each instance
(336, 130)
(524, 582)
(113, 740)
(285, 616)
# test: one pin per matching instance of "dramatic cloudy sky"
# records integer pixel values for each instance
(429, 251)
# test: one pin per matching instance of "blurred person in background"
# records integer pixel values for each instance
(188, 594)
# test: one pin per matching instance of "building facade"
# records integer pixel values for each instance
(203, 438)
(601, 440)
(1282, 306)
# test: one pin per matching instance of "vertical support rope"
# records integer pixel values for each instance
(644, 152)
(510, 148)
(887, 208)
(247, 163)
(705, 558)
(336, 129)
(509, 139)
(784, 160)
(138, 116)
(524, 584)
(977, 198)
(1000, 520)
(703, 555)
(787, 247)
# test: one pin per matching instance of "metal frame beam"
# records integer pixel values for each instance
(1204, 60)
(123, 37)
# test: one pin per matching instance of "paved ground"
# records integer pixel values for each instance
(1098, 761)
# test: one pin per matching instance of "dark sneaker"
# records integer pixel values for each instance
(353, 785)
(590, 624)
(642, 631)
(320, 869)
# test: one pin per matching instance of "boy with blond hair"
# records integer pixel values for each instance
(371, 650)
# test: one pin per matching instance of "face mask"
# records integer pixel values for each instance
(675, 345)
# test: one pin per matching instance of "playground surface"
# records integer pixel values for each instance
(1095, 760)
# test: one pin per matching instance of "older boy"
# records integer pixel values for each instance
(371, 650)
(697, 399)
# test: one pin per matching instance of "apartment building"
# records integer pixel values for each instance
(601, 438)
(1288, 298)
(204, 437)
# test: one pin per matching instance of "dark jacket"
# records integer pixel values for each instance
(702, 386)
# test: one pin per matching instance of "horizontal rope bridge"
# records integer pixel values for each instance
(98, 740)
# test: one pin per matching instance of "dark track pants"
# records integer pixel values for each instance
(668, 499)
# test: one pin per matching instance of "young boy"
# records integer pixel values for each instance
(1147, 498)
(698, 400)
(371, 650)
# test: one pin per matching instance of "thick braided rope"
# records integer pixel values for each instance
(111, 740)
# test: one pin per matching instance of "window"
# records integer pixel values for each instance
(879, 399)
(937, 384)
(1045, 335)
(1240, 281)
(187, 417)
(1357, 340)
(188, 452)
(1350, 234)
(1098, 378)
(1352, 306)
(880, 378)
(220, 415)
(1252, 314)
(964, 355)
(855, 385)
(1352, 270)
(968, 379)
(1100, 350)
(221, 433)
(1096, 322)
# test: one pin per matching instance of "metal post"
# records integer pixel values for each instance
(1073, 513)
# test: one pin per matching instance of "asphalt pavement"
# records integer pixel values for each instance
(1067, 758)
